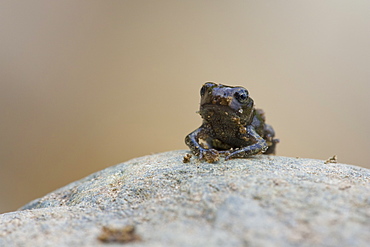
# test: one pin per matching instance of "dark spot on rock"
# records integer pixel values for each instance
(120, 235)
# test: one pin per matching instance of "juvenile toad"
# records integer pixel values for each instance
(231, 125)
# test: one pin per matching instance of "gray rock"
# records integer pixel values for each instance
(259, 201)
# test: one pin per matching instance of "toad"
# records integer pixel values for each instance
(231, 127)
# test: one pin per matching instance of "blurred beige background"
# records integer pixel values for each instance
(88, 84)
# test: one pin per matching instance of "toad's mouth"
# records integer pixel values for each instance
(222, 110)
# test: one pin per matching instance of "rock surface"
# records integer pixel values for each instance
(260, 201)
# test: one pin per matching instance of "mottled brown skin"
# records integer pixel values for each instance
(231, 125)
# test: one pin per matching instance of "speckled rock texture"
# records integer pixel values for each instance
(259, 201)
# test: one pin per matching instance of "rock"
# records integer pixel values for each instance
(158, 200)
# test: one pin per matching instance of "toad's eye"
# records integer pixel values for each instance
(205, 87)
(203, 90)
(241, 95)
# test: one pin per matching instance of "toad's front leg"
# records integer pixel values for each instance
(259, 146)
(192, 140)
